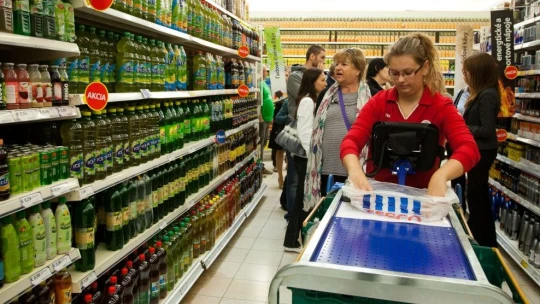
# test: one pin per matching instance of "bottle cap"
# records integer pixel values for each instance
(94, 285)
(159, 244)
(124, 271)
(152, 250)
(166, 238)
(142, 258)
(88, 298)
(62, 200)
(129, 264)
(114, 280)
(112, 290)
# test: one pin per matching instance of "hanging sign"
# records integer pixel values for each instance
(96, 96)
(243, 51)
(101, 5)
(502, 40)
(243, 90)
(276, 64)
(464, 48)
(221, 137)
(502, 135)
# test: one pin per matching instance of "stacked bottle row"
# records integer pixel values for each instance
(525, 185)
(518, 224)
(154, 271)
(24, 168)
(55, 290)
(27, 242)
(33, 86)
(196, 18)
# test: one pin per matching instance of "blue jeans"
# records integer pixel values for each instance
(292, 184)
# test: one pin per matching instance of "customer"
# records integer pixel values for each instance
(267, 114)
(315, 57)
(377, 75)
(337, 112)
(481, 109)
(282, 118)
(277, 151)
(417, 97)
(313, 82)
(329, 82)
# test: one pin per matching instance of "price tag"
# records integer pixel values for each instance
(183, 289)
(146, 93)
(89, 279)
(524, 264)
(6, 117)
(40, 276)
(61, 263)
(44, 113)
(31, 199)
(536, 276)
(163, 225)
(26, 115)
(60, 189)
(192, 93)
(192, 150)
(86, 192)
(66, 111)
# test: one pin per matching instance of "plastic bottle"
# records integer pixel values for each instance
(38, 236)
(133, 200)
(23, 86)
(155, 66)
(63, 224)
(69, 22)
(50, 230)
(141, 206)
(62, 287)
(128, 284)
(108, 139)
(26, 243)
(10, 251)
(83, 67)
(135, 275)
(147, 67)
(94, 54)
(124, 62)
(124, 196)
(21, 17)
(111, 297)
(56, 86)
(104, 59)
(149, 213)
(112, 53)
(101, 145)
(133, 132)
(117, 141)
(89, 147)
(125, 136)
(84, 220)
(138, 67)
(154, 276)
(170, 262)
(162, 55)
(170, 82)
(35, 90)
(72, 137)
(143, 134)
(144, 280)
(114, 220)
(181, 68)
(199, 72)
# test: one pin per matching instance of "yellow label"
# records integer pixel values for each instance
(171, 189)
(140, 206)
(114, 220)
(125, 216)
(155, 198)
(165, 192)
(84, 237)
(524, 264)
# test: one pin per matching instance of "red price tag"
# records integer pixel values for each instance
(243, 90)
(502, 135)
(101, 5)
(243, 51)
(511, 72)
(96, 96)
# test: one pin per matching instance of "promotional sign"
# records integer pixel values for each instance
(221, 137)
(96, 96)
(101, 5)
(502, 40)
(464, 48)
(276, 65)
(243, 51)
(243, 90)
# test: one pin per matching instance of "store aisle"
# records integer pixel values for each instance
(243, 271)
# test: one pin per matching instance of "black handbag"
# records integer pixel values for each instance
(288, 139)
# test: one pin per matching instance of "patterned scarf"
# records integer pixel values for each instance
(312, 191)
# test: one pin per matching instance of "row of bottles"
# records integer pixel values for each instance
(55, 290)
(31, 238)
(525, 185)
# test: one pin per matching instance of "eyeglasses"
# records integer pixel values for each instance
(395, 74)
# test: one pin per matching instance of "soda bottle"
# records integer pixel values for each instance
(108, 138)
(199, 71)
(97, 296)
(84, 220)
(101, 145)
(104, 59)
(56, 86)
(111, 297)
(89, 148)
(128, 284)
(162, 54)
(149, 213)
(124, 62)
(138, 69)
(26, 245)
(38, 236)
(126, 228)
(113, 281)
(154, 276)
(10, 250)
(134, 273)
(50, 230)
(125, 136)
(143, 134)
(161, 193)
(170, 133)
(112, 53)
(64, 79)
(144, 280)
(63, 224)
(83, 67)
(72, 137)
(21, 16)
(133, 200)
(95, 55)
(114, 220)
(141, 206)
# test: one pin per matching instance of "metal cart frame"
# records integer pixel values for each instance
(382, 284)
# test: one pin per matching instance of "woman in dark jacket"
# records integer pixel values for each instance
(481, 111)
(377, 75)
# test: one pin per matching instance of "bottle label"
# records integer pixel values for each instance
(166, 192)
(133, 215)
(200, 77)
(100, 161)
(110, 153)
(113, 220)
(76, 166)
(144, 297)
(148, 202)
(23, 92)
(4, 182)
(119, 158)
(84, 237)
(127, 152)
(141, 206)
(162, 134)
(135, 148)
(104, 73)
(90, 161)
(163, 282)
(73, 70)
(57, 91)
(125, 73)
(36, 92)
(171, 189)
(125, 216)
(160, 196)
(154, 290)
(187, 126)
(172, 133)
(84, 70)
(95, 71)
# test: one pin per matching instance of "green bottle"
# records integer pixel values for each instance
(21, 17)
(116, 141)
(206, 119)
(154, 63)
(170, 80)
(179, 269)
(179, 124)
(150, 111)
(155, 199)
(189, 240)
(126, 212)
(141, 205)
(199, 71)
(137, 8)
(89, 148)
(171, 275)
(133, 199)
(63, 224)
(182, 185)
(148, 201)
(10, 250)
(50, 229)
(160, 126)
(133, 133)
(108, 138)
(147, 66)
(69, 22)
(138, 67)
(143, 133)
(72, 137)
(85, 232)
(173, 128)
(112, 52)
(159, 184)
(101, 145)
(124, 62)
(83, 67)
(26, 242)
(94, 53)
(114, 235)
(196, 133)
(162, 55)
(39, 236)
(164, 128)
(184, 248)
(124, 122)
(104, 73)
(187, 122)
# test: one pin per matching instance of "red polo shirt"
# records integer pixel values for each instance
(436, 109)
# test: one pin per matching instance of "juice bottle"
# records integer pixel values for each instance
(2, 83)
(50, 230)
(69, 19)
(94, 54)
(199, 71)
(154, 276)
(64, 79)
(63, 224)
(21, 16)
(180, 68)
(137, 8)
(56, 86)
(49, 24)
(11, 84)
(162, 55)
(154, 62)
(149, 214)
(26, 245)
(124, 62)
(46, 85)
(72, 137)
(147, 65)
(103, 50)
(175, 16)
(170, 82)
(35, 89)
(84, 219)
(116, 140)
(10, 250)
(132, 190)
(60, 20)
(83, 69)
(89, 147)
(134, 273)
(62, 287)
(126, 228)
(144, 280)
(128, 284)
(38, 235)
(169, 260)
(112, 53)
(6, 17)
(141, 205)
(205, 123)
(138, 66)
(143, 134)
(108, 139)
(179, 121)
(151, 10)
(23, 86)
(114, 235)
(134, 137)
(111, 297)
(125, 136)
(101, 145)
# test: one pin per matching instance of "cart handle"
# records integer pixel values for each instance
(511, 276)
(312, 213)
(465, 222)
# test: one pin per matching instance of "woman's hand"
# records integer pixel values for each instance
(355, 172)
(437, 185)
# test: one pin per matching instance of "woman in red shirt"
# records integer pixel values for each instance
(417, 97)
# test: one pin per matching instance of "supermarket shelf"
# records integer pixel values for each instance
(226, 12)
(523, 202)
(449, 87)
(203, 262)
(106, 259)
(526, 22)
(528, 141)
(367, 57)
(527, 118)
(87, 190)
(83, 10)
(39, 114)
(366, 29)
(78, 99)
(521, 166)
(40, 274)
(529, 73)
(20, 48)
(511, 247)
(527, 45)
(527, 95)
(37, 196)
(354, 43)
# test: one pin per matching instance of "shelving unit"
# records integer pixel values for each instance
(39, 114)
(511, 247)
(106, 259)
(523, 202)
(19, 48)
(521, 166)
(353, 43)
(527, 118)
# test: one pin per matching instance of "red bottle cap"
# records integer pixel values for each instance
(159, 244)
(129, 264)
(94, 285)
(114, 280)
(193, 212)
(124, 271)
(87, 298)
(142, 258)
(152, 250)
(112, 290)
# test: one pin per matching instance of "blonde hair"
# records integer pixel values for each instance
(354, 56)
(421, 48)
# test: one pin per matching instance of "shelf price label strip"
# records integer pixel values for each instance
(40, 276)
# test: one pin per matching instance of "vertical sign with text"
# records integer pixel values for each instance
(464, 44)
(276, 65)
(502, 41)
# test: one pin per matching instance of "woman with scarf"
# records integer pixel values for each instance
(335, 115)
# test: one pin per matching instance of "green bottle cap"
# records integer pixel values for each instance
(102, 33)
(21, 214)
(46, 205)
(34, 209)
(166, 238)
(62, 200)
(176, 229)
(80, 27)
(92, 30)
(127, 34)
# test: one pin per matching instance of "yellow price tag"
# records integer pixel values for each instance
(524, 264)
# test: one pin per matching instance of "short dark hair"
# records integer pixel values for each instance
(374, 66)
(315, 50)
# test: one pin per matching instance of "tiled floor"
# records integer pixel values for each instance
(243, 271)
